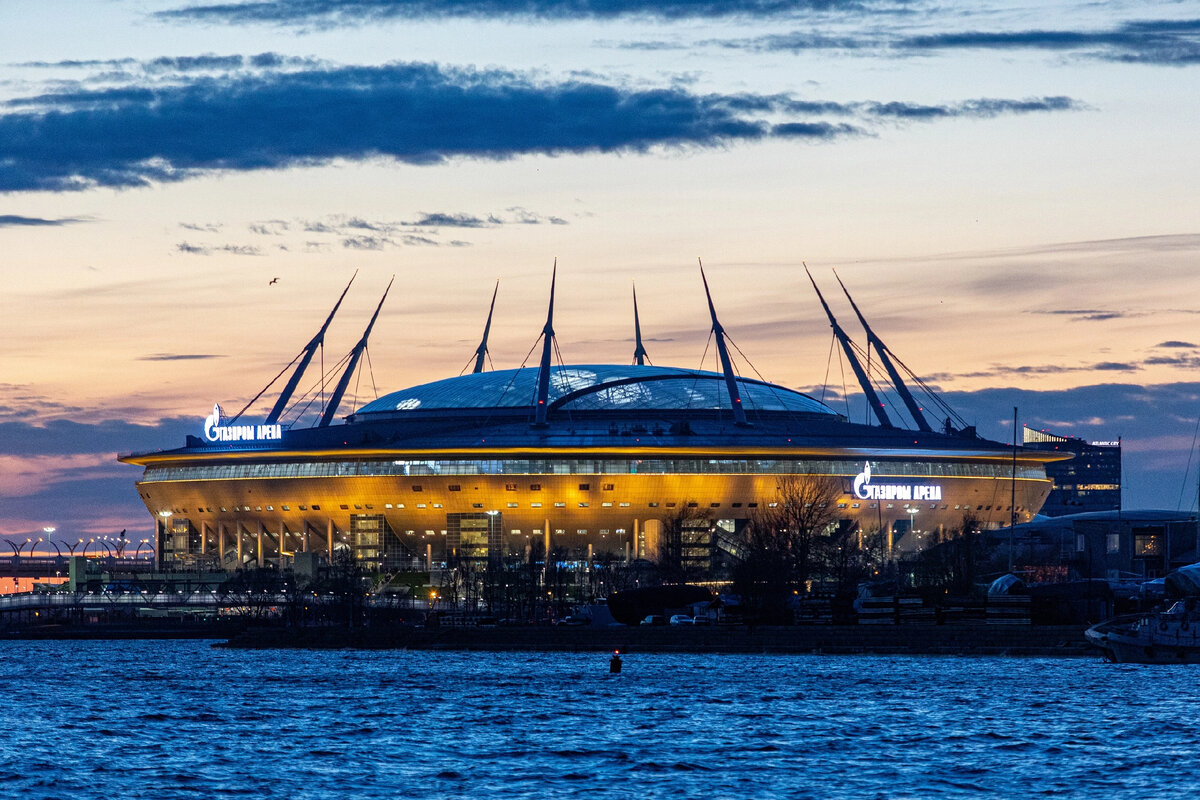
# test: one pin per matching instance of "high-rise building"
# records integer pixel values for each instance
(1090, 481)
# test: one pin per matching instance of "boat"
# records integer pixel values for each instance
(1160, 637)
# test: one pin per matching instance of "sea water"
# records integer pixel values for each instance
(179, 719)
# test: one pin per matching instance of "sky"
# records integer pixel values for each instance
(1008, 190)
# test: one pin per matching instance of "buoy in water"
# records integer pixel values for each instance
(614, 663)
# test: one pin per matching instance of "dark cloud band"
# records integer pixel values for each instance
(136, 135)
(348, 12)
(17, 221)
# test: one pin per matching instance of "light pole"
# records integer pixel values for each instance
(16, 550)
(72, 547)
(143, 543)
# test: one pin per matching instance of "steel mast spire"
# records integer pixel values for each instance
(335, 399)
(859, 372)
(735, 397)
(481, 351)
(286, 395)
(639, 352)
(543, 381)
(885, 356)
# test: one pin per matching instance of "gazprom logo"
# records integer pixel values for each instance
(214, 431)
(864, 489)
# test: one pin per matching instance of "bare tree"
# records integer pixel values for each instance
(786, 544)
(679, 526)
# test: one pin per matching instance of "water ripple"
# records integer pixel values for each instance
(170, 720)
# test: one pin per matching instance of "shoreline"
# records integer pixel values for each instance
(971, 639)
(983, 640)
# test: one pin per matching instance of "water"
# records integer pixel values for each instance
(162, 720)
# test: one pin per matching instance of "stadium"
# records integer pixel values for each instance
(590, 461)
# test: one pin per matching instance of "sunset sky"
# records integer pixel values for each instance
(1008, 190)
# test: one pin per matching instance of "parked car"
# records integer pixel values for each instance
(682, 619)
(654, 619)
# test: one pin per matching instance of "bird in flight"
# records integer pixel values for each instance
(273, 281)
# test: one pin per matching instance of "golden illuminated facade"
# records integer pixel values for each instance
(587, 461)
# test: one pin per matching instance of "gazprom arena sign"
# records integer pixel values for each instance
(214, 431)
(864, 489)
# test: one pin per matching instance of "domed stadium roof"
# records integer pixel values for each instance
(596, 387)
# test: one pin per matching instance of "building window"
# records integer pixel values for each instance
(1113, 543)
(752, 505)
(714, 505)
(608, 487)
(455, 487)
(1080, 543)
(652, 505)
(535, 505)
(476, 505)
(737, 505)
(1146, 545)
(670, 505)
(302, 508)
(606, 505)
(316, 508)
(345, 507)
(560, 505)
(624, 505)
(585, 487)
(420, 505)
(535, 487)
(583, 505)
(437, 505)
(510, 487)
(512, 505)
(772, 505)
(416, 487)
(387, 505)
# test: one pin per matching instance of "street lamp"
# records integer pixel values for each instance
(29, 542)
(72, 547)
(143, 543)
(16, 550)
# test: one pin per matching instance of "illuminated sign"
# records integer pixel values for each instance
(1107, 444)
(214, 431)
(865, 490)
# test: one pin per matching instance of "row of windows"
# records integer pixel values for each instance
(837, 468)
(557, 504)
(562, 504)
